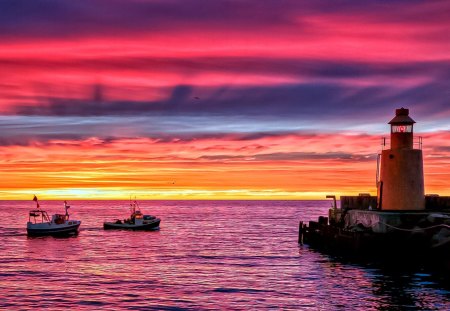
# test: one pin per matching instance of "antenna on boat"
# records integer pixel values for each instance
(132, 206)
(136, 205)
(66, 207)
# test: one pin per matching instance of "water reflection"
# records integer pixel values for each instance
(207, 255)
(379, 285)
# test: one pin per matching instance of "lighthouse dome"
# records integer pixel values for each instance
(402, 117)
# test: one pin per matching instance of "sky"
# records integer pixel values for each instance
(183, 99)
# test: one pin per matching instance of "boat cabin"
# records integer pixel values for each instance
(59, 218)
(137, 217)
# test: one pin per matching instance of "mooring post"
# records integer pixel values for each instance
(300, 233)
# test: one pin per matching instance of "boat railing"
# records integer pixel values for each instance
(36, 214)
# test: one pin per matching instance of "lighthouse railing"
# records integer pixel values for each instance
(377, 178)
(417, 143)
(383, 142)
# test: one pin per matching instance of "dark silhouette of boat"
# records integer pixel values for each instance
(137, 221)
(40, 224)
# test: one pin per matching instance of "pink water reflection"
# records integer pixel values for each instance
(207, 255)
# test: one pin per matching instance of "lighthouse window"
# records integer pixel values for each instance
(402, 129)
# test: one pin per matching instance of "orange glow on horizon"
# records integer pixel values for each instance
(286, 167)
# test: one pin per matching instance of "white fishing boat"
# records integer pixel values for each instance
(39, 223)
(137, 221)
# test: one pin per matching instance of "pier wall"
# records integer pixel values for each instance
(435, 202)
(385, 222)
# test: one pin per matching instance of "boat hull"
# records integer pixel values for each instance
(62, 230)
(154, 225)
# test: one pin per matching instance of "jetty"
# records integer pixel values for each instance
(400, 221)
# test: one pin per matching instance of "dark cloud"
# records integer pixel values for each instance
(65, 18)
(26, 131)
(21, 130)
(324, 91)
(293, 156)
(56, 18)
(319, 101)
(179, 96)
(32, 139)
(300, 68)
(443, 149)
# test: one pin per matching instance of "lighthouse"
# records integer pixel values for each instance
(405, 223)
(401, 185)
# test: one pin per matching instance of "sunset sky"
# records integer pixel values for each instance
(182, 99)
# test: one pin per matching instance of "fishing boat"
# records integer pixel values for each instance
(40, 224)
(137, 221)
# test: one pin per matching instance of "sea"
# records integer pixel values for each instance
(207, 255)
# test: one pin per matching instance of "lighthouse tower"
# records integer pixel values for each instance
(401, 185)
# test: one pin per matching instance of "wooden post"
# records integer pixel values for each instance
(300, 233)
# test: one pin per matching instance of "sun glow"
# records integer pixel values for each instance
(290, 166)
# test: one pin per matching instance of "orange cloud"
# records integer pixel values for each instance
(292, 166)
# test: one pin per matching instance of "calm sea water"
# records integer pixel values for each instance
(236, 255)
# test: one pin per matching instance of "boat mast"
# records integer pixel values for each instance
(132, 207)
(67, 209)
